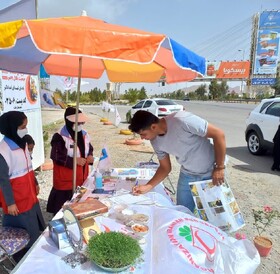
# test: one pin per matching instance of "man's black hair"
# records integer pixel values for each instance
(142, 120)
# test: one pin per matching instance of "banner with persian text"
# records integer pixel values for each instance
(228, 70)
(267, 46)
(19, 91)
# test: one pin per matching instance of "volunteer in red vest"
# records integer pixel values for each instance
(17, 180)
(62, 153)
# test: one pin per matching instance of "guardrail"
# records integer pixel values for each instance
(251, 101)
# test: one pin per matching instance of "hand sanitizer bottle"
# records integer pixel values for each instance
(98, 179)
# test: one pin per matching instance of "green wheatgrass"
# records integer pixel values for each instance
(113, 250)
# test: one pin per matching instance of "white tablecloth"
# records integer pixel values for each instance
(176, 243)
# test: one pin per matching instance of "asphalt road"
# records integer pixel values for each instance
(228, 116)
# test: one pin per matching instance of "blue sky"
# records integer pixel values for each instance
(190, 22)
(186, 21)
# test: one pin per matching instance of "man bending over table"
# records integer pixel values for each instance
(185, 136)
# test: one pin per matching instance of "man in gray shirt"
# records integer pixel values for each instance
(185, 136)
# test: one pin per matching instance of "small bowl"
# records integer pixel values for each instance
(140, 218)
(128, 212)
(119, 208)
(140, 229)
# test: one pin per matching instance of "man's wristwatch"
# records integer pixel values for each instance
(216, 166)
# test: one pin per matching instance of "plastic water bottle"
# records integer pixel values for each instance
(114, 173)
(98, 180)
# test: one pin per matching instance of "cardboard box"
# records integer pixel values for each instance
(58, 234)
(88, 208)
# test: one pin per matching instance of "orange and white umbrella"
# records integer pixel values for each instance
(126, 54)
(85, 47)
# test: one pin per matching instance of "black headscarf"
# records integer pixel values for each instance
(69, 125)
(9, 123)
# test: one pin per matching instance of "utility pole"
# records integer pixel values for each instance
(255, 25)
(243, 56)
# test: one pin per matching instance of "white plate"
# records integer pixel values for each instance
(140, 218)
(140, 229)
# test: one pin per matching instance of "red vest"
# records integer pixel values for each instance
(21, 176)
(63, 176)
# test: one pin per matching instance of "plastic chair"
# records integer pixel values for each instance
(12, 240)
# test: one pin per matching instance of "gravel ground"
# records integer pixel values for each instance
(250, 189)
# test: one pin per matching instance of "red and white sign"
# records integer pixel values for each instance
(228, 70)
(234, 70)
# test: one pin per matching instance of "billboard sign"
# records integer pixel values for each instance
(267, 47)
(263, 81)
(228, 70)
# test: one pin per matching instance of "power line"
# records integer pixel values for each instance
(224, 46)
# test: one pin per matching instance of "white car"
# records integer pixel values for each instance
(158, 106)
(262, 124)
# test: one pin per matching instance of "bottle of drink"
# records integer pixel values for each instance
(98, 179)
(114, 173)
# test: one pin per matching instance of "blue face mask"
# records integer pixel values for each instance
(22, 132)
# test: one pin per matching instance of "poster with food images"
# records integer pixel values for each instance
(20, 91)
(217, 205)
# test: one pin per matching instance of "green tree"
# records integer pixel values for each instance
(214, 89)
(223, 88)
(72, 96)
(200, 92)
(142, 94)
(179, 95)
(131, 95)
(276, 86)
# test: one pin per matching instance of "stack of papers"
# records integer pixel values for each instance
(131, 199)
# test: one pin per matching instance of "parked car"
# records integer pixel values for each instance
(261, 126)
(158, 106)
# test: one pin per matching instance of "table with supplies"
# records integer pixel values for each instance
(176, 241)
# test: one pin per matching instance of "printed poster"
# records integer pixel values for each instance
(20, 91)
(217, 205)
(268, 42)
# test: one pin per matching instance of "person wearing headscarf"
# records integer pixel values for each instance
(30, 146)
(276, 151)
(18, 196)
(62, 153)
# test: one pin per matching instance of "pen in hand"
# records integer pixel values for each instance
(133, 189)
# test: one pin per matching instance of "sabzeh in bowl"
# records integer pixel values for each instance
(114, 251)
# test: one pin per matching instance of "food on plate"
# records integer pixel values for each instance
(141, 218)
(127, 211)
(139, 228)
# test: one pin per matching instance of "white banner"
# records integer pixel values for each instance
(118, 118)
(19, 91)
(107, 107)
(217, 205)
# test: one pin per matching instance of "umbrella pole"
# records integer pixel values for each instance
(76, 126)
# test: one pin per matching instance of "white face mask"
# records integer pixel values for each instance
(80, 127)
(22, 132)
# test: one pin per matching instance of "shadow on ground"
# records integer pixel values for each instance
(251, 163)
